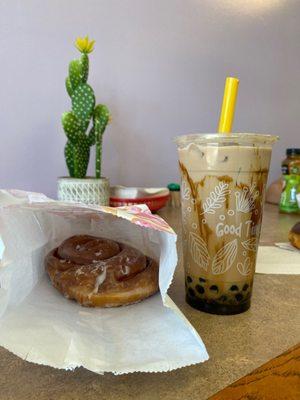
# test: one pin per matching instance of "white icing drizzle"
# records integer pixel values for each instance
(79, 271)
(125, 270)
(80, 247)
(100, 279)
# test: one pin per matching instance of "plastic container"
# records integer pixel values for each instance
(222, 194)
(290, 168)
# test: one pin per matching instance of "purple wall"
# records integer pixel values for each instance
(159, 65)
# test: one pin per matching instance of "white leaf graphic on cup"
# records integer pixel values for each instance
(224, 258)
(250, 244)
(216, 198)
(245, 199)
(199, 250)
(185, 191)
(244, 268)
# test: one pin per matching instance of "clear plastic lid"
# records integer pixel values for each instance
(234, 139)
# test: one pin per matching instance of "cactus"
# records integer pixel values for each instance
(76, 122)
(101, 118)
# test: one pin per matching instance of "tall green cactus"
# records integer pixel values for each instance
(76, 122)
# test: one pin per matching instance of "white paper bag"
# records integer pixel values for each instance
(38, 324)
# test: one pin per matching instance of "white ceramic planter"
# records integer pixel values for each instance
(90, 191)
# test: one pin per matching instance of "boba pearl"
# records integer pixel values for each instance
(239, 297)
(189, 279)
(234, 288)
(202, 280)
(245, 287)
(200, 289)
(214, 288)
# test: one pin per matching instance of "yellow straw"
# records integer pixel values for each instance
(228, 106)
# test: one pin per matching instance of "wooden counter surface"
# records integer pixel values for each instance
(278, 379)
(236, 344)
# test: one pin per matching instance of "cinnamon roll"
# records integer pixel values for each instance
(98, 272)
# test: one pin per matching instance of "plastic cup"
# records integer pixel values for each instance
(223, 181)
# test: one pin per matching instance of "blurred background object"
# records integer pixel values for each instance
(290, 168)
(154, 198)
(274, 192)
(174, 195)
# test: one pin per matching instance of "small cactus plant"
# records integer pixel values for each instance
(85, 124)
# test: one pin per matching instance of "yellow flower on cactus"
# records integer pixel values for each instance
(85, 45)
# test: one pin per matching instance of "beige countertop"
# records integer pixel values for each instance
(236, 344)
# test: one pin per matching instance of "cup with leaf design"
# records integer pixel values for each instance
(223, 180)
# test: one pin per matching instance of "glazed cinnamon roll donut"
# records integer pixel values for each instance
(98, 272)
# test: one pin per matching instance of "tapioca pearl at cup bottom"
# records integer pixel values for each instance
(214, 288)
(245, 287)
(239, 297)
(234, 288)
(200, 289)
(202, 280)
(189, 279)
(191, 292)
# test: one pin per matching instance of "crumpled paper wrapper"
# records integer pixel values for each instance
(39, 325)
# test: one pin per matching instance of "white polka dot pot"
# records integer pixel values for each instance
(90, 191)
